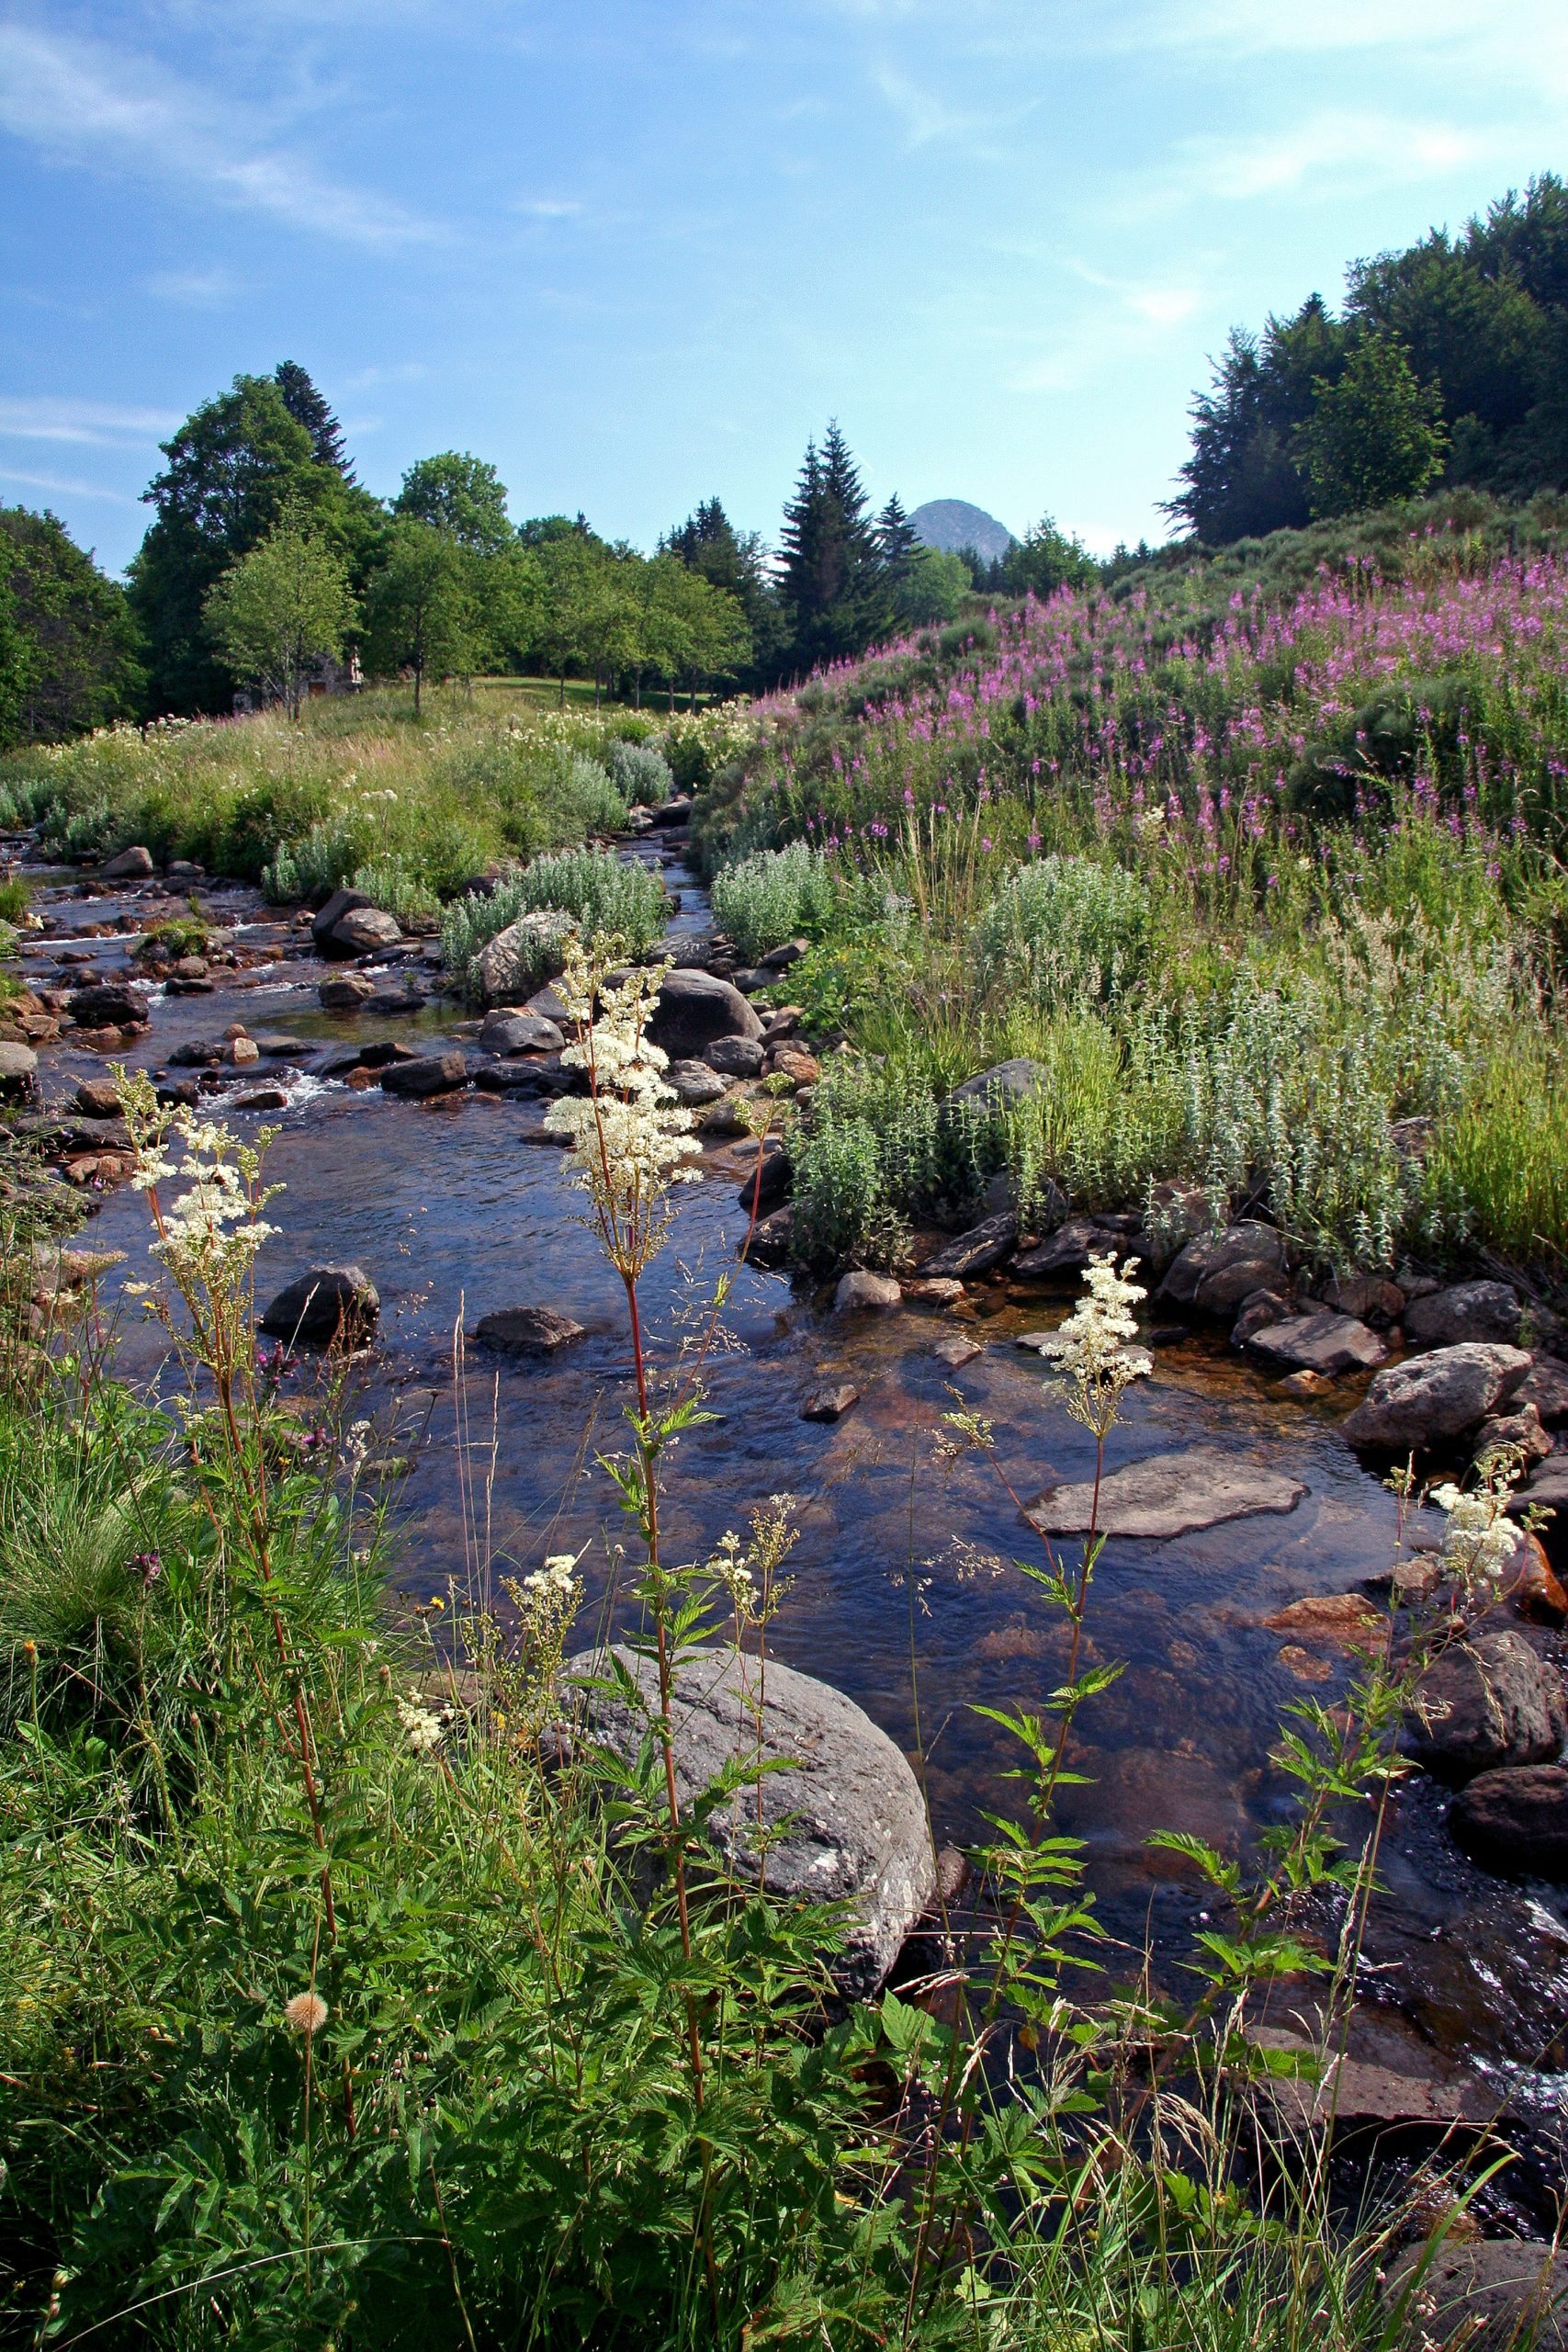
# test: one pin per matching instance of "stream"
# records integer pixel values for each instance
(458, 1206)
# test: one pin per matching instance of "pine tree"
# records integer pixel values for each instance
(832, 572)
(897, 542)
(307, 406)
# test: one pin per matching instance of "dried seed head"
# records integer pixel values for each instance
(306, 2013)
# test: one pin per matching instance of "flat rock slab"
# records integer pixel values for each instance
(977, 1251)
(843, 1819)
(956, 1351)
(1323, 1342)
(829, 1403)
(1171, 1494)
(1501, 2292)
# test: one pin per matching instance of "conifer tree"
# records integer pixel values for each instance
(308, 407)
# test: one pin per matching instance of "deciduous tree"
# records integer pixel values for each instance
(279, 608)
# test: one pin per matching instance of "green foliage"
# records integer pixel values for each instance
(462, 497)
(67, 644)
(1375, 433)
(422, 610)
(762, 901)
(1063, 930)
(279, 609)
(610, 897)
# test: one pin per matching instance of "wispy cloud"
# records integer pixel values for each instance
(86, 103)
(1382, 149)
(1245, 27)
(548, 208)
(193, 289)
(64, 486)
(90, 421)
(928, 119)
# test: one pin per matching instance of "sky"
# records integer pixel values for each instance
(635, 253)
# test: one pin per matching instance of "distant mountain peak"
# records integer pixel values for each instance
(950, 524)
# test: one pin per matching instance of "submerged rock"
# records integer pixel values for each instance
(427, 1074)
(842, 1815)
(1485, 1702)
(829, 1403)
(526, 1330)
(863, 1294)
(1431, 1397)
(324, 1303)
(1168, 1494)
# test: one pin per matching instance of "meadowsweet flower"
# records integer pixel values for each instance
(1090, 1348)
(1480, 1541)
(421, 1727)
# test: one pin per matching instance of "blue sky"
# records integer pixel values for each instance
(635, 253)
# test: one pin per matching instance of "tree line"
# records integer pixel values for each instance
(266, 557)
(1448, 366)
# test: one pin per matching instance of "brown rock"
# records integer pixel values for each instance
(956, 1351)
(829, 1403)
(526, 1330)
(1323, 1342)
(1545, 1386)
(1339, 1620)
(865, 1294)
(1535, 1591)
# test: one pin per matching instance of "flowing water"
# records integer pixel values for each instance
(904, 1594)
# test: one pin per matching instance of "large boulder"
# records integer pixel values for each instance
(427, 1074)
(1516, 1820)
(1168, 1494)
(1545, 1386)
(841, 1814)
(1217, 1271)
(1447, 1319)
(324, 1303)
(695, 1085)
(109, 1004)
(365, 930)
(526, 1330)
(510, 966)
(693, 1010)
(133, 864)
(1484, 1704)
(1433, 1398)
(350, 993)
(1323, 1342)
(327, 918)
(976, 1252)
(865, 1294)
(1067, 1251)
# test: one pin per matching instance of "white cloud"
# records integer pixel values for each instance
(1413, 26)
(91, 421)
(64, 487)
(548, 208)
(1380, 148)
(86, 103)
(929, 120)
(195, 289)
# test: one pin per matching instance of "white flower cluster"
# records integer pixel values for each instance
(1480, 1541)
(213, 1222)
(631, 1136)
(555, 1582)
(1090, 1348)
(422, 1727)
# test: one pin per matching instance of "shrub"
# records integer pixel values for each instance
(639, 772)
(611, 898)
(391, 884)
(762, 901)
(1064, 931)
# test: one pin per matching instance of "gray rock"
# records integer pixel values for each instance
(673, 812)
(1545, 1386)
(261, 1098)
(734, 1056)
(864, 1293)
(548, 1004)
(779, 959)
(97, 1098)
(773, 1238)
(1547, 1489)
(348, 993)
(1435, 1397)
(133, 864)
(427, 1074)
(1168, 1494)
(508, 967)
(843, 1819)
(520, 1033)
(365, 930)
(1001, 1087)
(109, 1004)
(526, 1330)
(829, 1403)
(1217, 1271)
(324, 1303)
(1519, 1431)
(1323, 1342)
(198, 1053)
(1497, 2295)
(1516, 1820)
(325, 922)
(1484, 1311)
(18, 1073)
(692, 1010)
(956, 1350)
(1067, 1251)
(977, 1251)
(392, 1001)
(1371, 1298)
(1259, 1308)
(1487, 1702)
(766, 1192)
(695, 1084)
